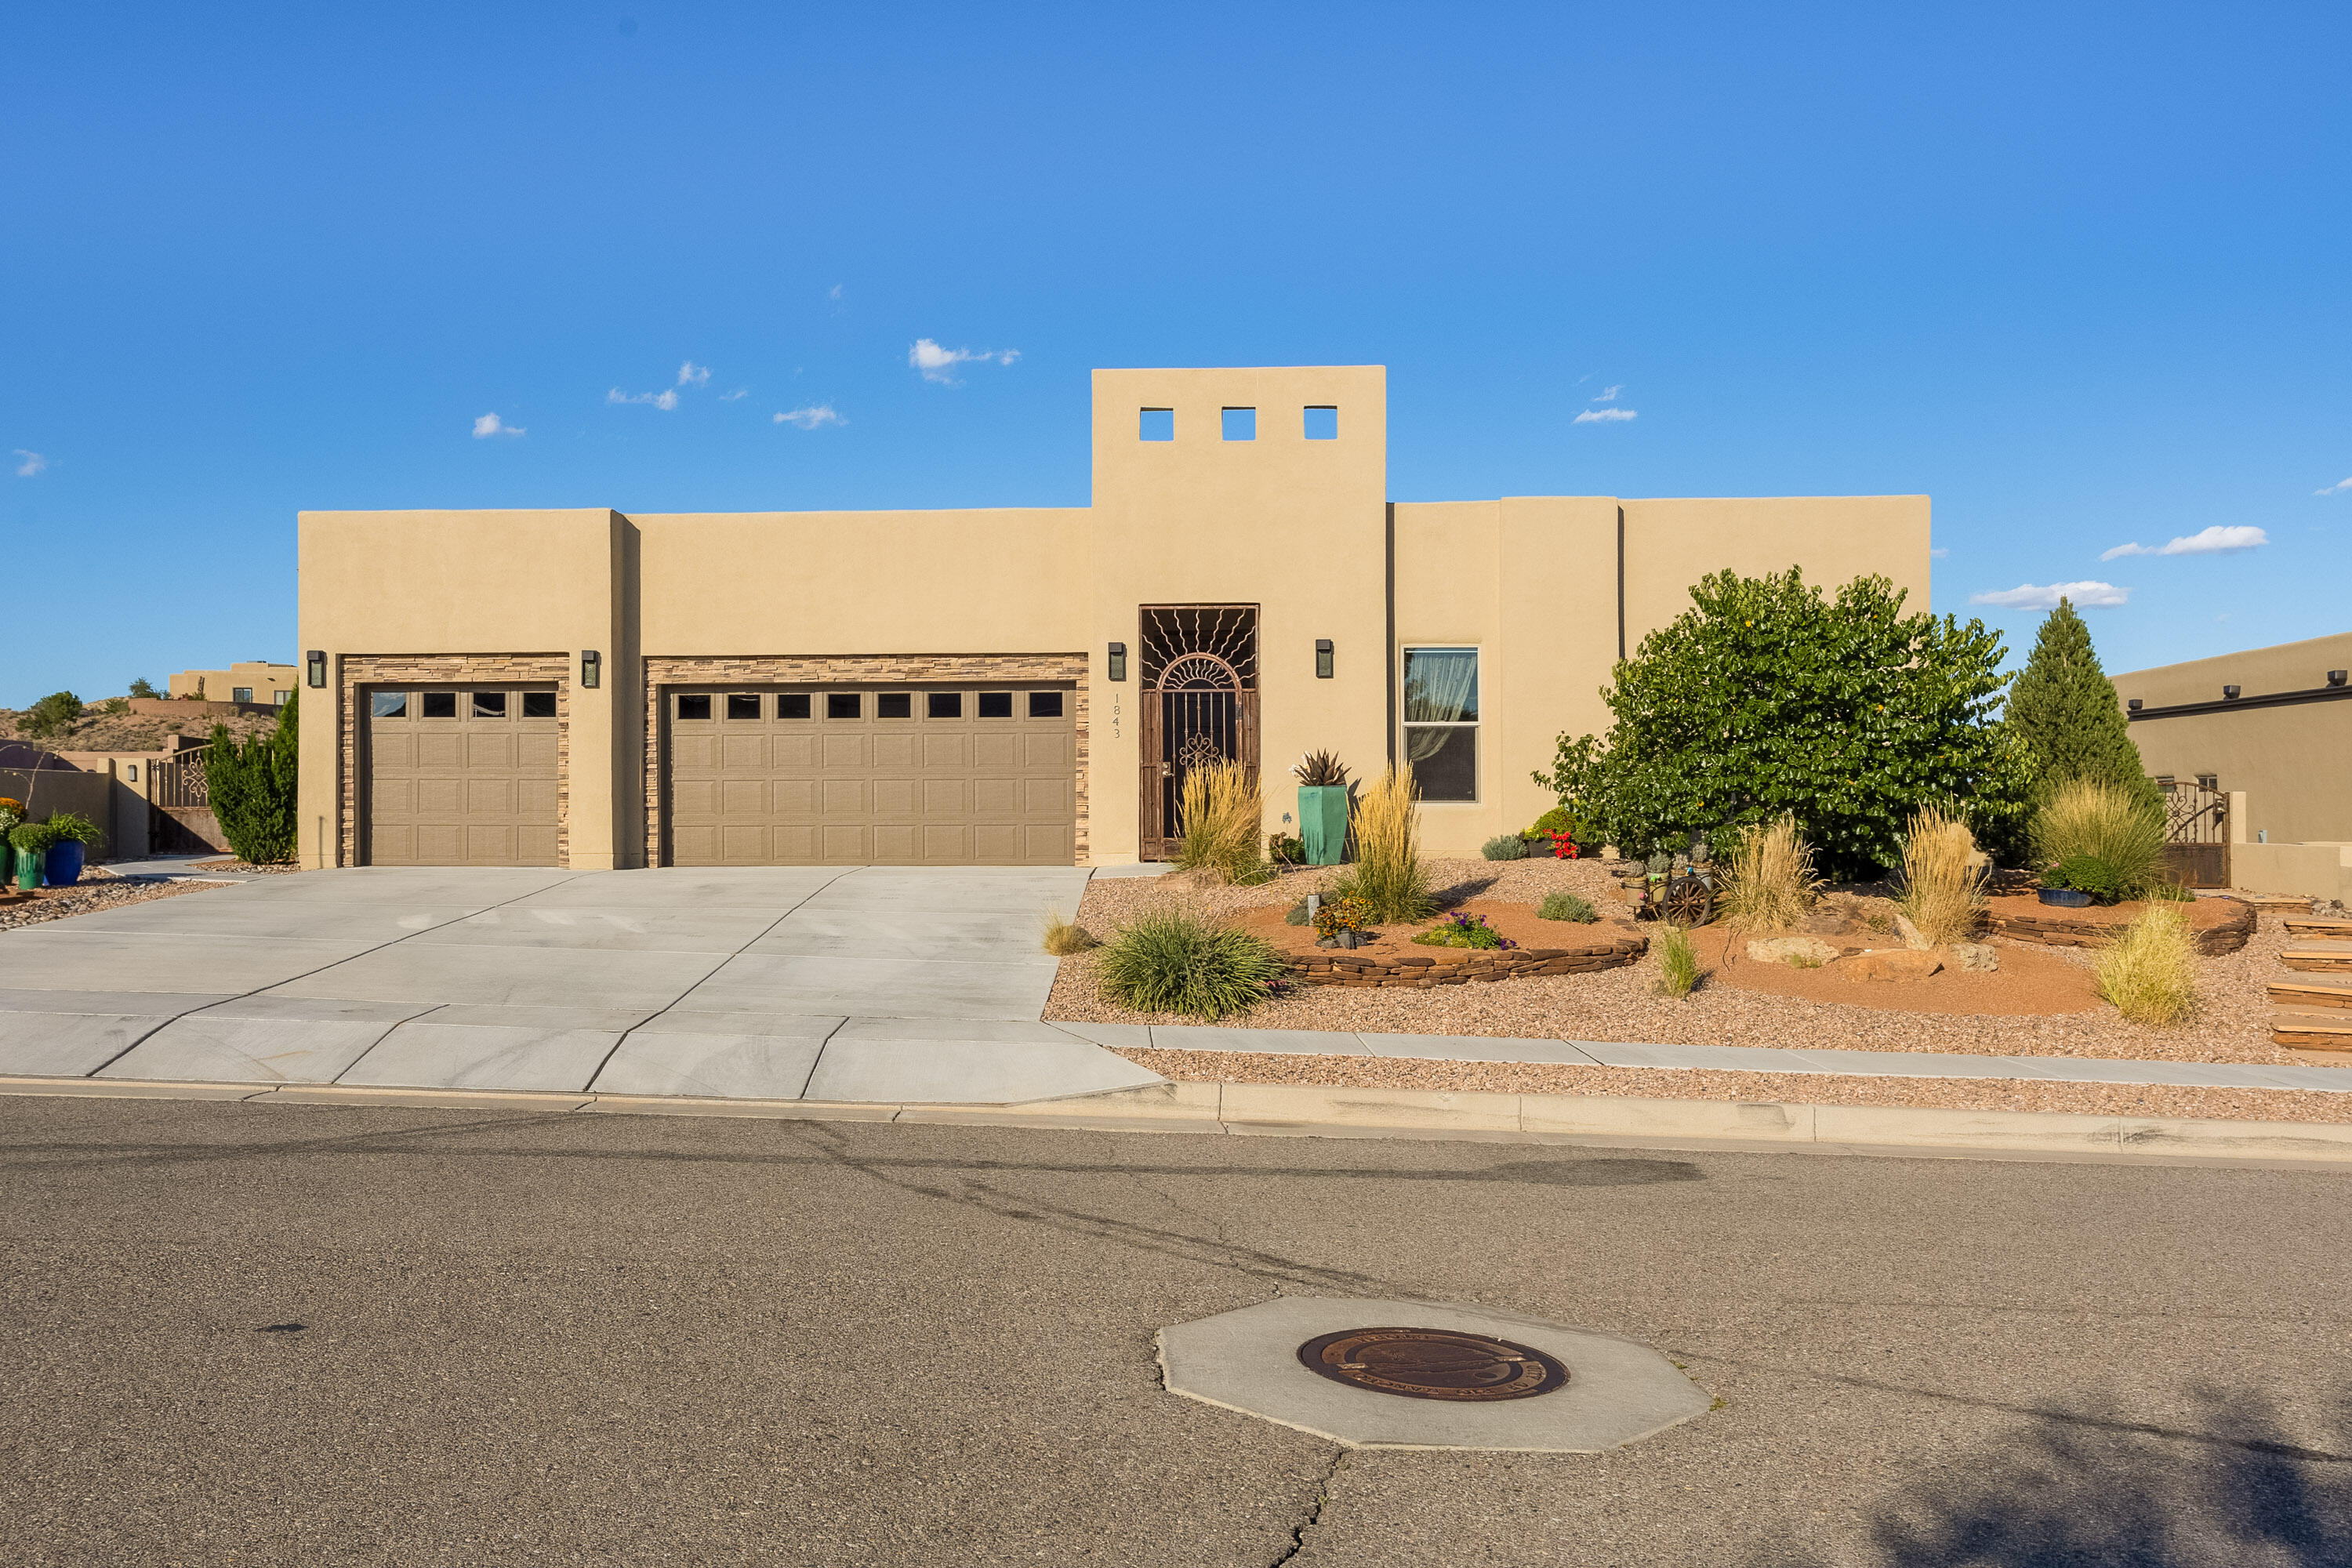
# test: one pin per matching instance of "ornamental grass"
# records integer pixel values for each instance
(1175, 959)
(1222, 814)
(1065, 937)
(1677, 963)
(1942, 892)
(1770, 883)
(2149, 973)
(1388, 874)
(2091, 819)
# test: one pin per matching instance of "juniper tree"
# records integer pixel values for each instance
(2065, 714)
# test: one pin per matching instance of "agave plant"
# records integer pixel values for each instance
(1321, 770)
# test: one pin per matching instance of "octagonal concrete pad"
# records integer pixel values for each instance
(1618, 1390)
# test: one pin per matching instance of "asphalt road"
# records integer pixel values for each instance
(589, 1339)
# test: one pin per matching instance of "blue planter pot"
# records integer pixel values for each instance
(2064, 898)
(66, 860)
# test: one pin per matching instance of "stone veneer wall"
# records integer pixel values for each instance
(364, 670)
(1339, 966)
(863, 669)
(2079, 928)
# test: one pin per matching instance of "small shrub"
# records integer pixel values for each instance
(1770, 883)
(66, 826)
(1222, 814)
(2149, 973)
(115, 705)
(1298, 915)
(1459, 930)
(1559, 819)
(1284, 850)
(2088, 874)
(1064, 937)
(143, 688)
(36, 836)
(1178, 960)
(1941, 893)
(253, 785)
(1566, 907)
(1321, 770)
(1388, 874)
(1802, 960)
(2090, 818)
(1505, 846)
(1345, 912)
(1677, 963)
(52, 715)
(2169, 892)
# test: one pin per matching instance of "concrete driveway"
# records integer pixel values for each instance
(868, 983)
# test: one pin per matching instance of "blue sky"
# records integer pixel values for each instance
(2080, 274)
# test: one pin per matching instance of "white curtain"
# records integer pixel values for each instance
(1441, 686)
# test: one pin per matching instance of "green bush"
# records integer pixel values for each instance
(52, 715)
(1559, 819)
(66, 826)
(1677, 964)
(1566, 907)
(1505, 846)
(2088, 874)
(2065, 714)
(1298, 915)
(2092, 819)
(1459, 930)
(36, 836)
(142, 687)
(1342, 911)
(252, 786)
(1178, 960)
(1767, 696)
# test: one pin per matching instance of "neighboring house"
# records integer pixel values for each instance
(257, 680)
(2270, 731)
(1016, 686)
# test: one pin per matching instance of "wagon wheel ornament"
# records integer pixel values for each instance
(1688, 902)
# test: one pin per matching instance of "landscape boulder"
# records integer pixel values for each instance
(1806, 952)
(1900, 963)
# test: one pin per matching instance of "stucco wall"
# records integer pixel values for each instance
(2294, 763)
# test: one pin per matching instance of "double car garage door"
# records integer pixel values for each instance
(849, 775)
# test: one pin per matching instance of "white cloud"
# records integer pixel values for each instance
(2027, 596)
(32, 464)
(2213, 540)
(809, 418)
(1938, 552)
(731, 397)
(693, 374)
(1605, 416)
(490, 424)
(662, 400)
(938, 364)
(2337, 488)
(1611, 396)
(833, 293)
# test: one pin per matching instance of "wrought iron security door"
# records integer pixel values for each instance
(1199, 706)
(2195, 831)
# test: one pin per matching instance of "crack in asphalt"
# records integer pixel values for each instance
(1315, 1514)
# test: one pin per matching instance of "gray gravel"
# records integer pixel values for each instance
(575, 1339)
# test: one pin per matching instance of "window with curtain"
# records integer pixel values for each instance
(1441, 720)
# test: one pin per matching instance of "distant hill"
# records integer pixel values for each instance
(97, 731)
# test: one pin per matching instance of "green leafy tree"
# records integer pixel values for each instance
(1767, 696)
(52, 715)
(252, 786)
(2065, 713)
(142, 687)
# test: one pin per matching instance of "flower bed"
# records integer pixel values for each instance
(2222, 925)
(1460, 967)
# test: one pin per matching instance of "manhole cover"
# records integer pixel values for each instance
(1433, 1364)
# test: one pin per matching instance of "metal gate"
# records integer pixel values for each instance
(1199, 706)
(2195, 831)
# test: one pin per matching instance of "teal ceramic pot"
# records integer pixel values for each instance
(30, 864)
(1323, 823)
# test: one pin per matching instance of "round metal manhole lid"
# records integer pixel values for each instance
(1433, 1364)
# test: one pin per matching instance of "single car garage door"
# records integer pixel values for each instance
(855, 775)
(461, 775)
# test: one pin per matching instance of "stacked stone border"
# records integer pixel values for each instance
(359, 671)
(1414, 971)
(795, 669)
(2059, 929)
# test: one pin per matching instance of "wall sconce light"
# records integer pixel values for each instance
(316, 661)
(1117, 661)
(2132, 703)
(1322, 658)
(592, 669)
(2229, 694)
(2335, 677)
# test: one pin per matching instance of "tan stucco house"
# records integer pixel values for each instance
(254, 680)
(1020, 686)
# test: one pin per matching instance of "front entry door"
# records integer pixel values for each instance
(1199, 706)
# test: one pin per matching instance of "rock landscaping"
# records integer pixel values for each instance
(91, 894)
(2222, 925)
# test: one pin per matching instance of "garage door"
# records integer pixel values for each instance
(853, 776)
(461, 775)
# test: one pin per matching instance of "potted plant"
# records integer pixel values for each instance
(30, 841)
(1557, 835)
(2079, 880)
(12, 812)
(1322, 807)
(70, 839)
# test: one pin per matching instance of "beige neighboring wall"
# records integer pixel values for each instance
(1297, 527)
(2291, 760)
(264, 679)
(1671, 545)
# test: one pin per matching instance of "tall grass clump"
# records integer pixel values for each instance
(2149, 971)
(1175, 959)
(1770, 883)
(1941, 892)
(1388, 874)
(2092, 818)
(1222, 814)
(1065, 937)
(1677, 963)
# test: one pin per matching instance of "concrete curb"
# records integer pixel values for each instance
(1313, 1111)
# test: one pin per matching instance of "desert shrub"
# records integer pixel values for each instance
(1175, 959)
(1559, 819)
(2088, 874)
(1768, 883)
(2063, 710)
(1222, 813)
(1065, 937)
(1345, 912)
(1677, 963)
(115, 705)
(2093, 818)
(1285, 850)
(52, 715)
(1460, 930)
(1566, 907)
(142, 687)
(1298, 915)
(2170, 891)
(1941, 886)
(1388, 874)
(1767, 696)
(1505, 846)
(1320, 770)
(2149, 971)
(252, 784)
